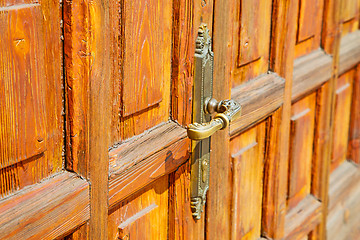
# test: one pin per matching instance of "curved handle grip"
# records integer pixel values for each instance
(228, 110)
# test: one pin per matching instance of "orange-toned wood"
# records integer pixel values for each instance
(181, 222)
(217, 212)
(143, 216)
(350, 16)
(308, 26)
(125, 183)
(301, 149)
(247, 155)
(31, 123)
(251, 38)
(187, 16)
(343, 99)
(78, 58)
(141, 76)
(303, 218)
(81, 233)
(354, 134)
(281, 62)
(47, 210)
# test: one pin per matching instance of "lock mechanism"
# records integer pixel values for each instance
(204, 125)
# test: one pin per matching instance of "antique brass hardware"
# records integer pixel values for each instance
(203, 127)
(228, 110)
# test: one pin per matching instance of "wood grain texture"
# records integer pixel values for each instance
(343, 97)
(78, 57)
(310, 72)
(331, 26)
(247, 155)
(187, 17)
(251, 38)
(31, 122)
(217, 211)
(99, 112)
(349, 52)
(302, 219)
(258, 98)
(124, 183)
(143, 216)
(181, 222)
(141, 76)
(309, 26)
(301, 149)
(344, 193)
(281, 62)
(144, 145)
(47, 210)
(354, 134)
(349, 16)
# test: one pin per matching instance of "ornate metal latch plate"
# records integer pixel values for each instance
(200, 131)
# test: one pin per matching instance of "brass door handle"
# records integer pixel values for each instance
(227, 111)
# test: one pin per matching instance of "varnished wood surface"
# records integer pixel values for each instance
(47, 210)
(31, 122)
(354, 134)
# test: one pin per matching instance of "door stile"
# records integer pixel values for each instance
(324, 127)
(281, 61)
(87, 57)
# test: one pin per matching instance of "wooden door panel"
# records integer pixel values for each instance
(301, 146)
(342, 118)
(251, 29)
(31, 122)
(354, 134)
(308, 26)
(247, 156)
(143, 216)
(350, 16)
(141, 67)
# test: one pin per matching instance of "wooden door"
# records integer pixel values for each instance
(96, 96)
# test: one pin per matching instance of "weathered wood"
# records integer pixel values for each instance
(140, 65)
(250, 39)
(144, 145)
(258, 97)
(47, 210)
(344, 194)
(181, 222)
(302, 219)
(354, 134)
(301, 149)
(310, 72)
(77, 62)
(349, 52)
(143, 216)
(349, 16)
(187, 17)
(31, 122)
(218, 219)
(99, 112)
(122, 184)
(247, 155)
(308, 26)
(276, 165)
